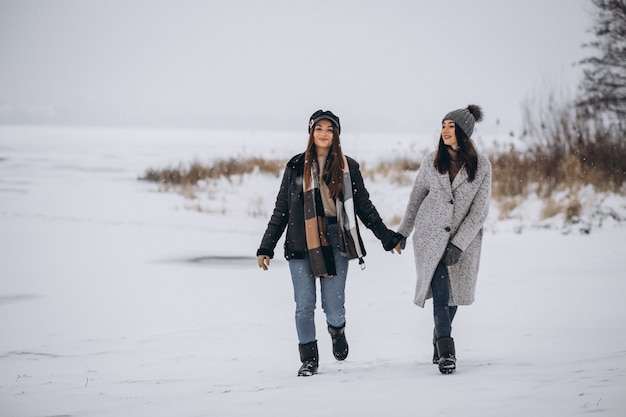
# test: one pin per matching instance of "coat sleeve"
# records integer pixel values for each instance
(418, 194)
(367, 212)
(477, 214)
(278, 220)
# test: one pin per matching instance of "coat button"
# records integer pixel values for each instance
(447, 229)
(451, 201)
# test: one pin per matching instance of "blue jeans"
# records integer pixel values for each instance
(332, 289)
(443, 313)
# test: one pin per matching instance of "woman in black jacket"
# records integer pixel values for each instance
(320, 197)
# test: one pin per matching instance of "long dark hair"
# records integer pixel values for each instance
(467, 154)
(333, 169)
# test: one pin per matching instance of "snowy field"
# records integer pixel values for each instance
(117, 299)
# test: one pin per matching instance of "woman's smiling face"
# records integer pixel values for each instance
(448, 134)
(323, 136)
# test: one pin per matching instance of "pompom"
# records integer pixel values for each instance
(476, 111)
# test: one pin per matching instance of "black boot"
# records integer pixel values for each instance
(340, 344)
(435, 352)
(309, 358)
(447, 355)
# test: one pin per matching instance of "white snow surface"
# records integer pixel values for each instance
(118, 299)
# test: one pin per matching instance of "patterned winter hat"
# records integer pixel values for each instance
(466, 118)
(328, 115)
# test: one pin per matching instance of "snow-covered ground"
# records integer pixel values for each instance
(117, 299)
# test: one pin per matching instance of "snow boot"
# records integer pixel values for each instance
(447, 355)
(309, 358)
(340, 344)
(435, 352)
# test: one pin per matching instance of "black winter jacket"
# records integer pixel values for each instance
(289, 212)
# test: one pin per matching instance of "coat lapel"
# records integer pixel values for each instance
(460, 178)
(444, 180)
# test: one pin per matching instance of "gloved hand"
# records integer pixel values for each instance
(451, 255)
(401, 245)
(264, 262)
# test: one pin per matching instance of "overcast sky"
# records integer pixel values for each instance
(388, 65)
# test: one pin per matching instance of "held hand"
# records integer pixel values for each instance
(264, 262)
(399, 245)
(398, 248)
(451, 255)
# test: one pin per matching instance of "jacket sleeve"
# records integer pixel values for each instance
(418, 194)
(366, 211)
(477, 214)
(278, 220)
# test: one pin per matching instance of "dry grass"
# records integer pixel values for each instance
(571, 208)
(548, 171)
(515, 173)
(394, 221)
(396, 171)
(512, 173)
(226, 168)
(507, 204)
(598, 164)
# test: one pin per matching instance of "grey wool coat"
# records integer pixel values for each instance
(438, 212)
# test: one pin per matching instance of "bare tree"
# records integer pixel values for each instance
(603, 86)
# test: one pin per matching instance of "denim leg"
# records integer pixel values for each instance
(333, 292)
(333, 289)
(443, 313)
(304, 291)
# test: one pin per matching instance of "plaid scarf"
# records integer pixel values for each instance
(318, 244)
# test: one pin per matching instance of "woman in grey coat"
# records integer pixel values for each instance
(446, 211)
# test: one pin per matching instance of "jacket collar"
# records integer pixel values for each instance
(460, 178)
(297, 162)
